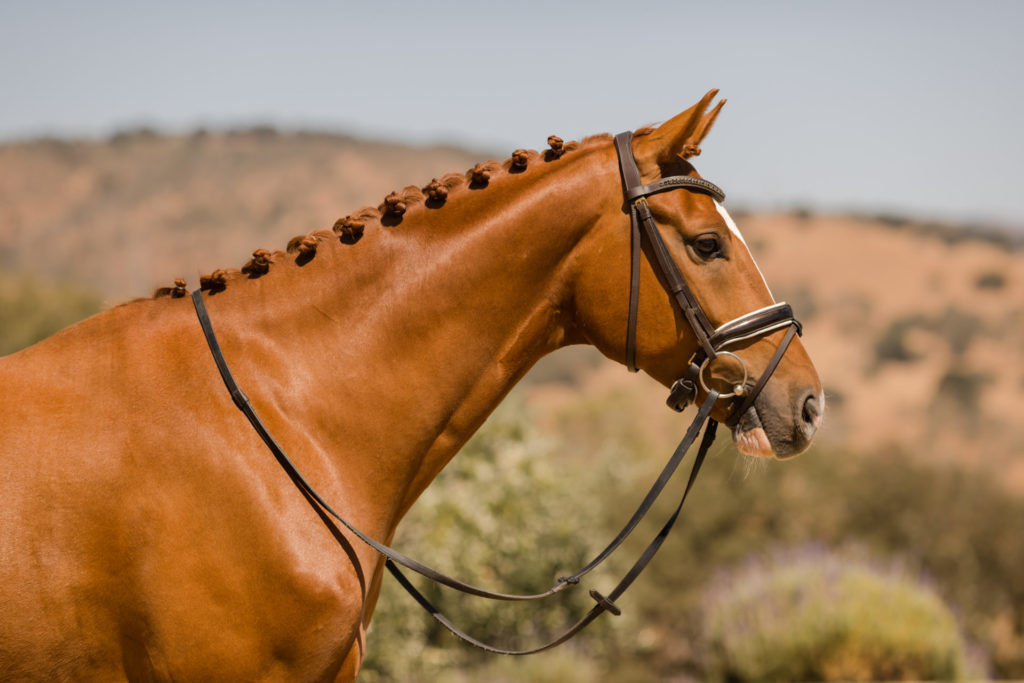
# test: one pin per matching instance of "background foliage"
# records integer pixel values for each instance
(31, 310)
(824, 616)
(958, 533)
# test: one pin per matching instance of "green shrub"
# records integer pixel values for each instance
(508, 515)
(824, 617)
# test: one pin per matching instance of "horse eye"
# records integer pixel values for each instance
(707, 247)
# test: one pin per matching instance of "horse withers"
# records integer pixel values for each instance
(146, 534)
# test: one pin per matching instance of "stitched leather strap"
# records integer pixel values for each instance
(673, 183)
(759, 323)
(627, 163)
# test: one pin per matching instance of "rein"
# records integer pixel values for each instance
(395, 558)
(684, 391)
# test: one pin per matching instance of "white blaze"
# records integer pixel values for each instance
(736, 231)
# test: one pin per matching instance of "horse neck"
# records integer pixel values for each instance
(394, 350)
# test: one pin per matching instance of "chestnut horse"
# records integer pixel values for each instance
(147, 534)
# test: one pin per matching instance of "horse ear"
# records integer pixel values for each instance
(679, 136)
(692, 146)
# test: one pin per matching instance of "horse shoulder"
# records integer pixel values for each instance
(136, 520)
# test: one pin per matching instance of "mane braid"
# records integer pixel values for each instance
(350, 229)
(259, 264)
(179, 290)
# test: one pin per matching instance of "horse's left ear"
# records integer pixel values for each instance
(679, 136)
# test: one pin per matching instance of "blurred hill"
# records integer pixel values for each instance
(917, 329)
(126, 215)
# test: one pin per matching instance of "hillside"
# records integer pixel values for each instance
(918, 331)
(126, 215)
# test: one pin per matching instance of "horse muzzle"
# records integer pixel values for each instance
(780, 428)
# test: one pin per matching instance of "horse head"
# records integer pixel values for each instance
(719, 328)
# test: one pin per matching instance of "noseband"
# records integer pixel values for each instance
(711, 342)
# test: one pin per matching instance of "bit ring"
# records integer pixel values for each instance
(738, 389)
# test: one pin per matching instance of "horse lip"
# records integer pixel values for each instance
(749, 420)
(750, 437)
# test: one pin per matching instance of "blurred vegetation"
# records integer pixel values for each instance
(891, 347)
(520, 506)
(951, 233)
(816, 616)
(991, 280)
(507, 517)
(31, 310)
(954, 327)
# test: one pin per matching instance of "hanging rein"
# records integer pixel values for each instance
(711, 342)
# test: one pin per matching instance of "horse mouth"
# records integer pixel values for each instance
(762, 433)
(750, 437)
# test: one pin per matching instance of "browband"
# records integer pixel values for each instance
(673, 182)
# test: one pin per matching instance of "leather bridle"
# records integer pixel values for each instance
(684, 391)
(710, 340)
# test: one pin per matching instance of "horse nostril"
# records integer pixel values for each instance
(811, 412)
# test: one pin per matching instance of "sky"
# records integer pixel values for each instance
(909, 107)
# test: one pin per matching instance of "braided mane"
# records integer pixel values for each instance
(389, 213)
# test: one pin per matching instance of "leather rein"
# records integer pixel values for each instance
(684, 391)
